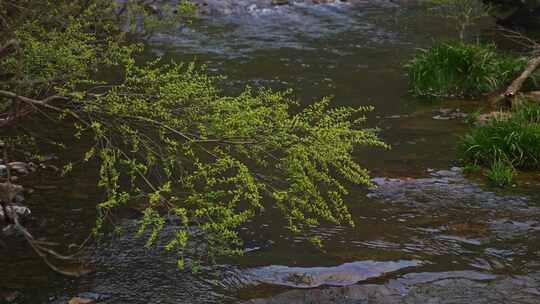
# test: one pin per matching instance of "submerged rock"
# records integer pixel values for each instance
(456, 287)
(448, 114)
(447, 189)
(342, 275)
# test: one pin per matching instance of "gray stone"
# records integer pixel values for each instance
(21, 211)
(342, 275)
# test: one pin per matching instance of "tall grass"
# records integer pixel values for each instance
(514, 140)
(501, 174)
(460, 70)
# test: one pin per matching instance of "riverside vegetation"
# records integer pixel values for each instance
(457, 70)
(509, 140)
(164, 134)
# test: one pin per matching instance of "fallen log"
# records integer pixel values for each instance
(532, 96)
(509, 96)
(516, 85)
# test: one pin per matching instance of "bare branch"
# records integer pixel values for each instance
(532, 46)
(44, 103)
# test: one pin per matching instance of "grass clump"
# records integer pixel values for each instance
(513, 139)
(460, 70)
(501, 174)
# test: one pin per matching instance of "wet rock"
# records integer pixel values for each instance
(94, 296)
(458, 287)
(21, 211)
(449, 114)
(446, 189)
(20, 167)
(9, 191)
(309, 277)
(507, 229)
(453, 216)
(78, 300)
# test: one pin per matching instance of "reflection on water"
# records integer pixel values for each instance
(457, 234)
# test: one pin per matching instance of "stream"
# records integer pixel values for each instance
(427, 234)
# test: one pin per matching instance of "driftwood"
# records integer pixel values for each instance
(532, 96)
(516, 85)
(508, 97)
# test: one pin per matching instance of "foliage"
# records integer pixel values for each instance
(207, 155)
(514, 140)
(460, 70)
(165, 135)
(61, 50)
(463, 13)
(500, 174)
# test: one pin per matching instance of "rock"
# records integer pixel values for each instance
(9, 297)
(19, 167)
(342, 275)
(21, 211)
(94, 296)
(78, 300)
(458, 287)
(448, 114)
(9, 191)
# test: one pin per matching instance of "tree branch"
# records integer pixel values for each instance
(44, 103)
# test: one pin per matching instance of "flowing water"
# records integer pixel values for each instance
(427, 234)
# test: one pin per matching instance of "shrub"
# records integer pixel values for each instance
(162, 134)
(460, 70)
(515, 139)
